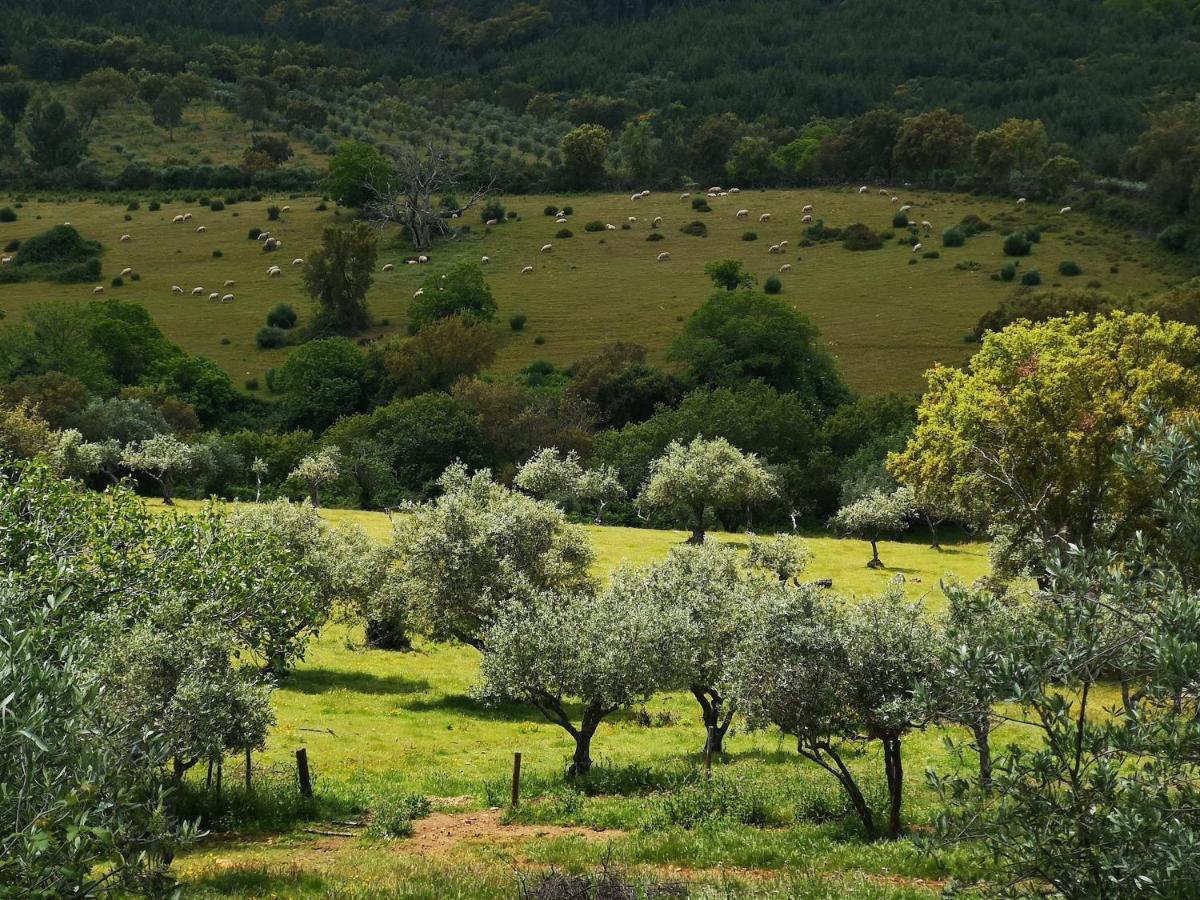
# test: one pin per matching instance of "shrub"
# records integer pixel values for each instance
(128, 217)
(625, 226)
(273, 213)
(133, 206)
(61, 244)
(772, 285)
(700, 204)
(594, 226)
(154, 206)
(568, 210)
(1034, 235)
(270, 336)
(900, 220)
(1174, 237)
(322, 206)
(819, 231)
(135, 276)
(549, 210)
(912, 260)
(968, 265)
(972, 225)
(654, 236)
(749, 236)
(1070, 268)
(696, 229)
(392, 817)
(251, 384)
(1016, 244)
(954, 237)
(282, 316)
(517, 321)
(859, 237)
(80, 272)
(225, 342)
(254, 233)
(540, 339)
(493, 209)
(12, 246)
(931, 254)
(564, 233)
(118, 282)
(218, 254)
(216, 205)
(1032, 277)
(1008, 271)
(7, 214)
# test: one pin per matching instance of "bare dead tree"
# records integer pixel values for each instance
(407, 199)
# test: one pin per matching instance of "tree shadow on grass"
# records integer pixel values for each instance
(466, 705)
(258, 879)
(320, 681)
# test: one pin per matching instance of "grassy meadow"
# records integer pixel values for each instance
(379, 724)
(887, 320)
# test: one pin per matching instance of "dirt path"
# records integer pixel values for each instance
(439, 832)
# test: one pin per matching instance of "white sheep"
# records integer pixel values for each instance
(228, 298)
(490, 222)
(610, 227)
(742, 213)
(723, 194)
(685, 196)
(98, 289)
(636, 197)
(176, 289)
(916, 247)
(645, 193)
(422, 259)
(1064, 210)
(387, 267)
(419, 292)
(783, 245)
(546, 248)
(5, 260)
(410, 262)
(765, 217)
(66, 224)
(484, 260)
(927, 225)
(298, 261)
(201, 229)
(895, 199)
(716, 189)
(228, 282)
(882, 192)
(786, 267)
(807, 208)
(806, 218)
(560, 221)
(1021, 201)
(774, 248)
(286, 209)
(126, 271)
(664, 256)
(187, 217)
(527, 270)
(214, 296)
(657, 221)
(264, 235)
(735, 190)
(177, 220)
(905, 208)
(275, 272)
(863, 189)
(632, 219)
(125, 239)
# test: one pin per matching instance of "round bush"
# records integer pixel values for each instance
(696, 229)
(251, 384)
(749, 236)
(953, 237)
(1032, 277)
(135, 276)
(517, 321)
(1008, 271)
(128, 217)
(772, 285)
(564, 233)
(1070, 268)
(118, 282)
(7, 214)
(154, 206)
(912, 260)
(1034, 235)
(254, 233)
(568, 210)
(282, 316)
(273, 213)
(594, 226)
(900, 220)
(625, 226)
(269, 337)
(133, 206)
(540, 339)
(12, 246)
(931, 254)
(654, 236)
(1016, 244)
(549, 210)
(493, 209)
(859, 237)
(216, 205)
(700, 204)
(218, 254)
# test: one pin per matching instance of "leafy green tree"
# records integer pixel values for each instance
(873, 516)
(252, 104)
(706, 473)
(751, 162)
(168, 110)
(1024, 439)
(125, 420)
(338, 275)
(1057, 174)
(563, 480)
(740, 336)
(55, 337)
(23, 433)
(322, 381)
(785, 556)
(620, 386)
(14, 98)
(421, 436)
(433, 359)
(1013, 146)
(640, 151)
(200, 382)
(584, 151)
(99, 90)
(937, 139)
(556, 650)
(868, 141)
(464, 557)
(164, 458)
(316, 471)
(56, 141)
(460, 291)
(728, 274)
(710, 142)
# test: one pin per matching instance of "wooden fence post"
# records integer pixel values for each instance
(247, 770)
(302, 772)
(516, 780)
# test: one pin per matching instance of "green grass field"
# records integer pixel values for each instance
(886, 320)
(377, 724)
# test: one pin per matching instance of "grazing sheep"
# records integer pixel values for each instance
(419, 292)
(201, 229)
(916, 247)
(735, 190)
(610, 227)
(214, 296)
(228, 298)
(786, 267)
(882, 192)
(806, 218)
(454, 215)
(197, 291)
(645, 193)
(527, 270)
(176, 289)
(275, 273)
(229, 282)
(264, 236)
(546, 248)
(783, 245)
(387, 267)
(715, 190)
(126, 271)
(927, 225)
(807, 208)
(664, 256)
(484, 260)
(895, 199)
(723, 194)
(177, 220)
(774, 248)
(297, 261)
(410, 262)
(560, 221)
(905, 208)
(863, 189)
(765, 217)
(1064, 210)
(632, 219)
(657, 221)
(1021, 201)
(125, 239)
(286, 209)
(98, 289)
(742, 213)
(636, 197)
(685, 196)
(187, 217)
(490, 222)
(422, 259)
(5, 260)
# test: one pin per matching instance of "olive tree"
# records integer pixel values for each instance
(164, 458)
(874, 515)
(558, 649)
(317, 470)
(479, 547)
(785, 556)
(563, 480)
(703, 474)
